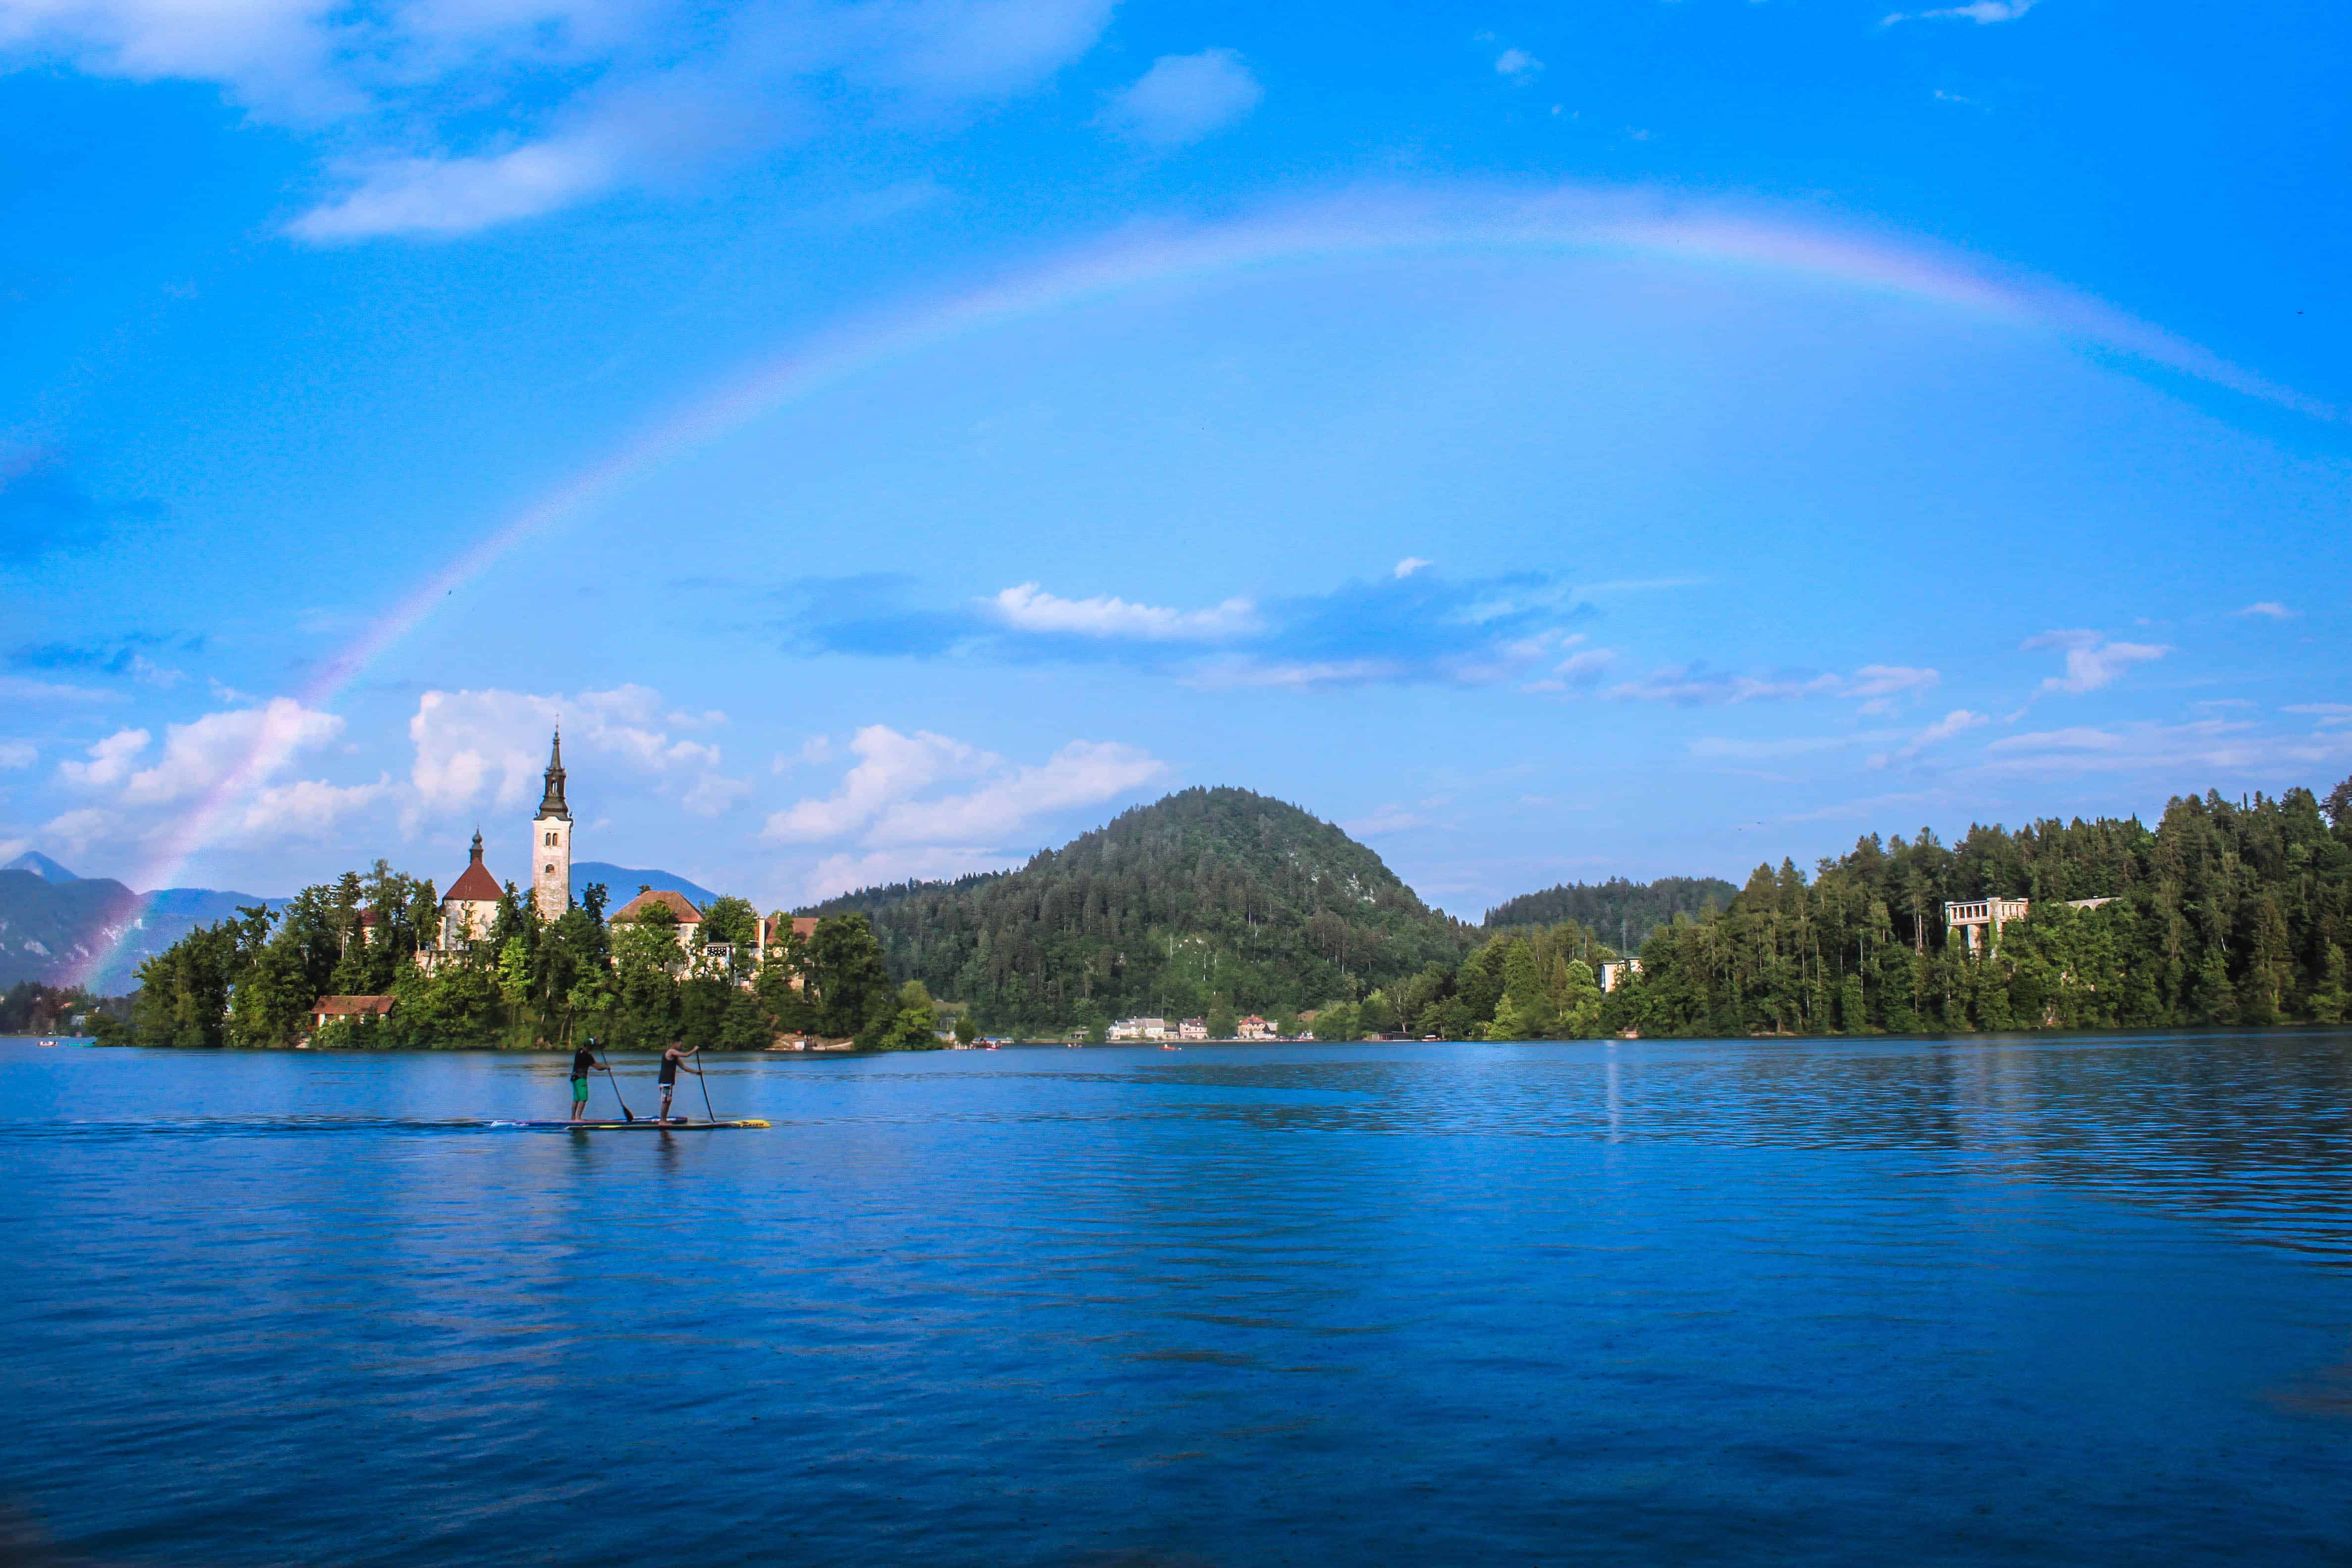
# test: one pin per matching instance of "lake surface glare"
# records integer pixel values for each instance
(1993, 1301)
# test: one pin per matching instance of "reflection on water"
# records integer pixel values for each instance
(2032, 1300)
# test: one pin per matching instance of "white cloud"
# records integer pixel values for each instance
(1517, 64)
(1241, 673)
(1586, 665)
(249, 744)
(467, 114)
(459, 195)
(1184, 98)
(1957, 721)
(1081, 774)
(79, 828)
(2178, 754)
(17, 689)
(891, 767)
(110, 761)
(1389, 818)
(494, 743)
(899, 823)
(1980, 12)
(2328, 714)
(17, 753)
(1960, 720)
(2092, 661)
(1410, 564)
(846, 872)
(1028, 609)
(309, 806)
(2271, 609)
(1878, 684)
(713, 794)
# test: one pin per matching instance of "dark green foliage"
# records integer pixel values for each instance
(255, 981)
(1618, 910)
(1209, 894)
(2228, 913)
(33, 1008)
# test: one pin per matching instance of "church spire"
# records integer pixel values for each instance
(551, 804)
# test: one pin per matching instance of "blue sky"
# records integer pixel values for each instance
(1638, 437)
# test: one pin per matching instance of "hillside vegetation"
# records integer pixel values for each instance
(1620, 909)
(2225, 913)
(1207, 900)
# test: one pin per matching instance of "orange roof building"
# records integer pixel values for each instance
(470, 907)
(677, 904)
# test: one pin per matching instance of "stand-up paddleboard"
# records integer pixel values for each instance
(675, 1124)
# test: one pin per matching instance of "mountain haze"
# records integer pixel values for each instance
(1207, 893)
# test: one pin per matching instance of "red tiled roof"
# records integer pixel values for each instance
(353, 1006)
(802, 926)
(477, 885)
(369, 918)
(679, 905)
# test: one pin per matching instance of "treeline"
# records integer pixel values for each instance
(2226, 913)
(1623, 910)
(1208, 901)
(29, 1007)
(253, 980)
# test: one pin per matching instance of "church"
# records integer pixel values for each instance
(470, 907)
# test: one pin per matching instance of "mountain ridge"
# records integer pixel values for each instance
(1204, 896)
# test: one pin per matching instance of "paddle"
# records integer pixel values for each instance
(626, 1114)
(704, 1079)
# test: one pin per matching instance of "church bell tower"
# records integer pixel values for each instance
(551, 840)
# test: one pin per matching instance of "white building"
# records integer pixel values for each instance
(1613, 970)
(1979, 919)
(1137, 1029)
(1192, 1029)
(551, 839)
(1254, 1029)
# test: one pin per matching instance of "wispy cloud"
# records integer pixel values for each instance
(1981, 12)
(1383, 820)
(2092, 661)
(1518, 65)
(1184, 97)
(927, 804)
(1693, 686)
(1410, 564)
(491, 745)
(592, 95)
(1418, 627)
(1959, 721)
(2269, 609)
(2171, 752)
(1029, 608)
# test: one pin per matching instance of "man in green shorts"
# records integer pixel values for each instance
(584, 1062)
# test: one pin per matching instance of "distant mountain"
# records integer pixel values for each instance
(1614, 909)
(623, 883)
(1208, 893)
(54, 930)
(40, 866)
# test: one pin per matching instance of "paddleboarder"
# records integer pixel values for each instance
(673, 1060)
(584, 1062)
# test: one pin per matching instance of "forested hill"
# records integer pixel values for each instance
(1209, 896)
(1620, 911)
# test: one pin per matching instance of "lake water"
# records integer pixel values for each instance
(2022, 1301)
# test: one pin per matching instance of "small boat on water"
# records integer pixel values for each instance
(47, 1043)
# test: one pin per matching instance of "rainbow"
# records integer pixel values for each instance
(1356, 226)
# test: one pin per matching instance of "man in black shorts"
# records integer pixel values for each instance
(584, 1062)
(673, 1060)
